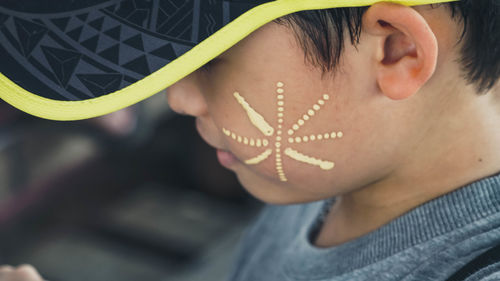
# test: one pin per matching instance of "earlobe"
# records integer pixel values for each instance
(406, 52)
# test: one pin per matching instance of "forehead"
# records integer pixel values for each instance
(266, 42)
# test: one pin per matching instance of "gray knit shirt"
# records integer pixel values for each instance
(430, 242)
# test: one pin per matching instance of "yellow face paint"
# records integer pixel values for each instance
(263, 126)
(256, 119)
(325, 165)
(280, 97)
(245, 140)
(311, 138)
(260, 158)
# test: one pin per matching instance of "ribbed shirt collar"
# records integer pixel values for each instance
(442, 215)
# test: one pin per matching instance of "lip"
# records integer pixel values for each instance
(226, 158)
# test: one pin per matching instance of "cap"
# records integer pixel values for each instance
(71, 60)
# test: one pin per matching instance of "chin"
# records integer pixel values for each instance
(275, 192)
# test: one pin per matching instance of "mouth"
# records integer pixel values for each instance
(226, 158)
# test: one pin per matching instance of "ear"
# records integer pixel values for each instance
(406, 48)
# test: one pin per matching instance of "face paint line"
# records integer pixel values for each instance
(281, 109)
(245, 140)
(318, 137)
(256, 160)
(257, 120)
(306, 117)
(325, 165)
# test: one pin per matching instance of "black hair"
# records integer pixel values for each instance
(320, 33)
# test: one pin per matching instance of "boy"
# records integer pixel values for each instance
(379, 157)
(413, 144)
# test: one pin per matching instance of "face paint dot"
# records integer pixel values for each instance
(295, 127)
(298, 140)
(259, 143)
(252, 142)
(305, 117)
(333, 135)
(280, 126)
(278, 150)
(277, 144)
(312, 137)
(281, 109)
(305, 139)
(279, 132)
(280, 97)
(326, 136)
(280, 84)
(278, 138)
(240, 139)
(321, 102)
(280, 120)
(310, 112)
(281, 103)
(280, 91)
(280, 114)
(265, 142)
(301, 122)
(316, 107)
(290, 140)
(290, 132)
(340, 134)
(326, 97)
(233, 135)
(319, 137)
(245, 140)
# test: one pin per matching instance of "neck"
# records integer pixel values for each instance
(461, 148)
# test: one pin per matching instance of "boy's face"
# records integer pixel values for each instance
(290, 134)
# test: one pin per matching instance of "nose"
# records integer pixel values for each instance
(184, 97)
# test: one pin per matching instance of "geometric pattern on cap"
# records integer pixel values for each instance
(85, 52)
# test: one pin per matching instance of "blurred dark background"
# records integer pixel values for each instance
(134, 195)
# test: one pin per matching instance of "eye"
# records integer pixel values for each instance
(208, 66)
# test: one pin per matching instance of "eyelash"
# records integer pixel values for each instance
(208, 66)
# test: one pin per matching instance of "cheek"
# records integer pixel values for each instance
(284, 142)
